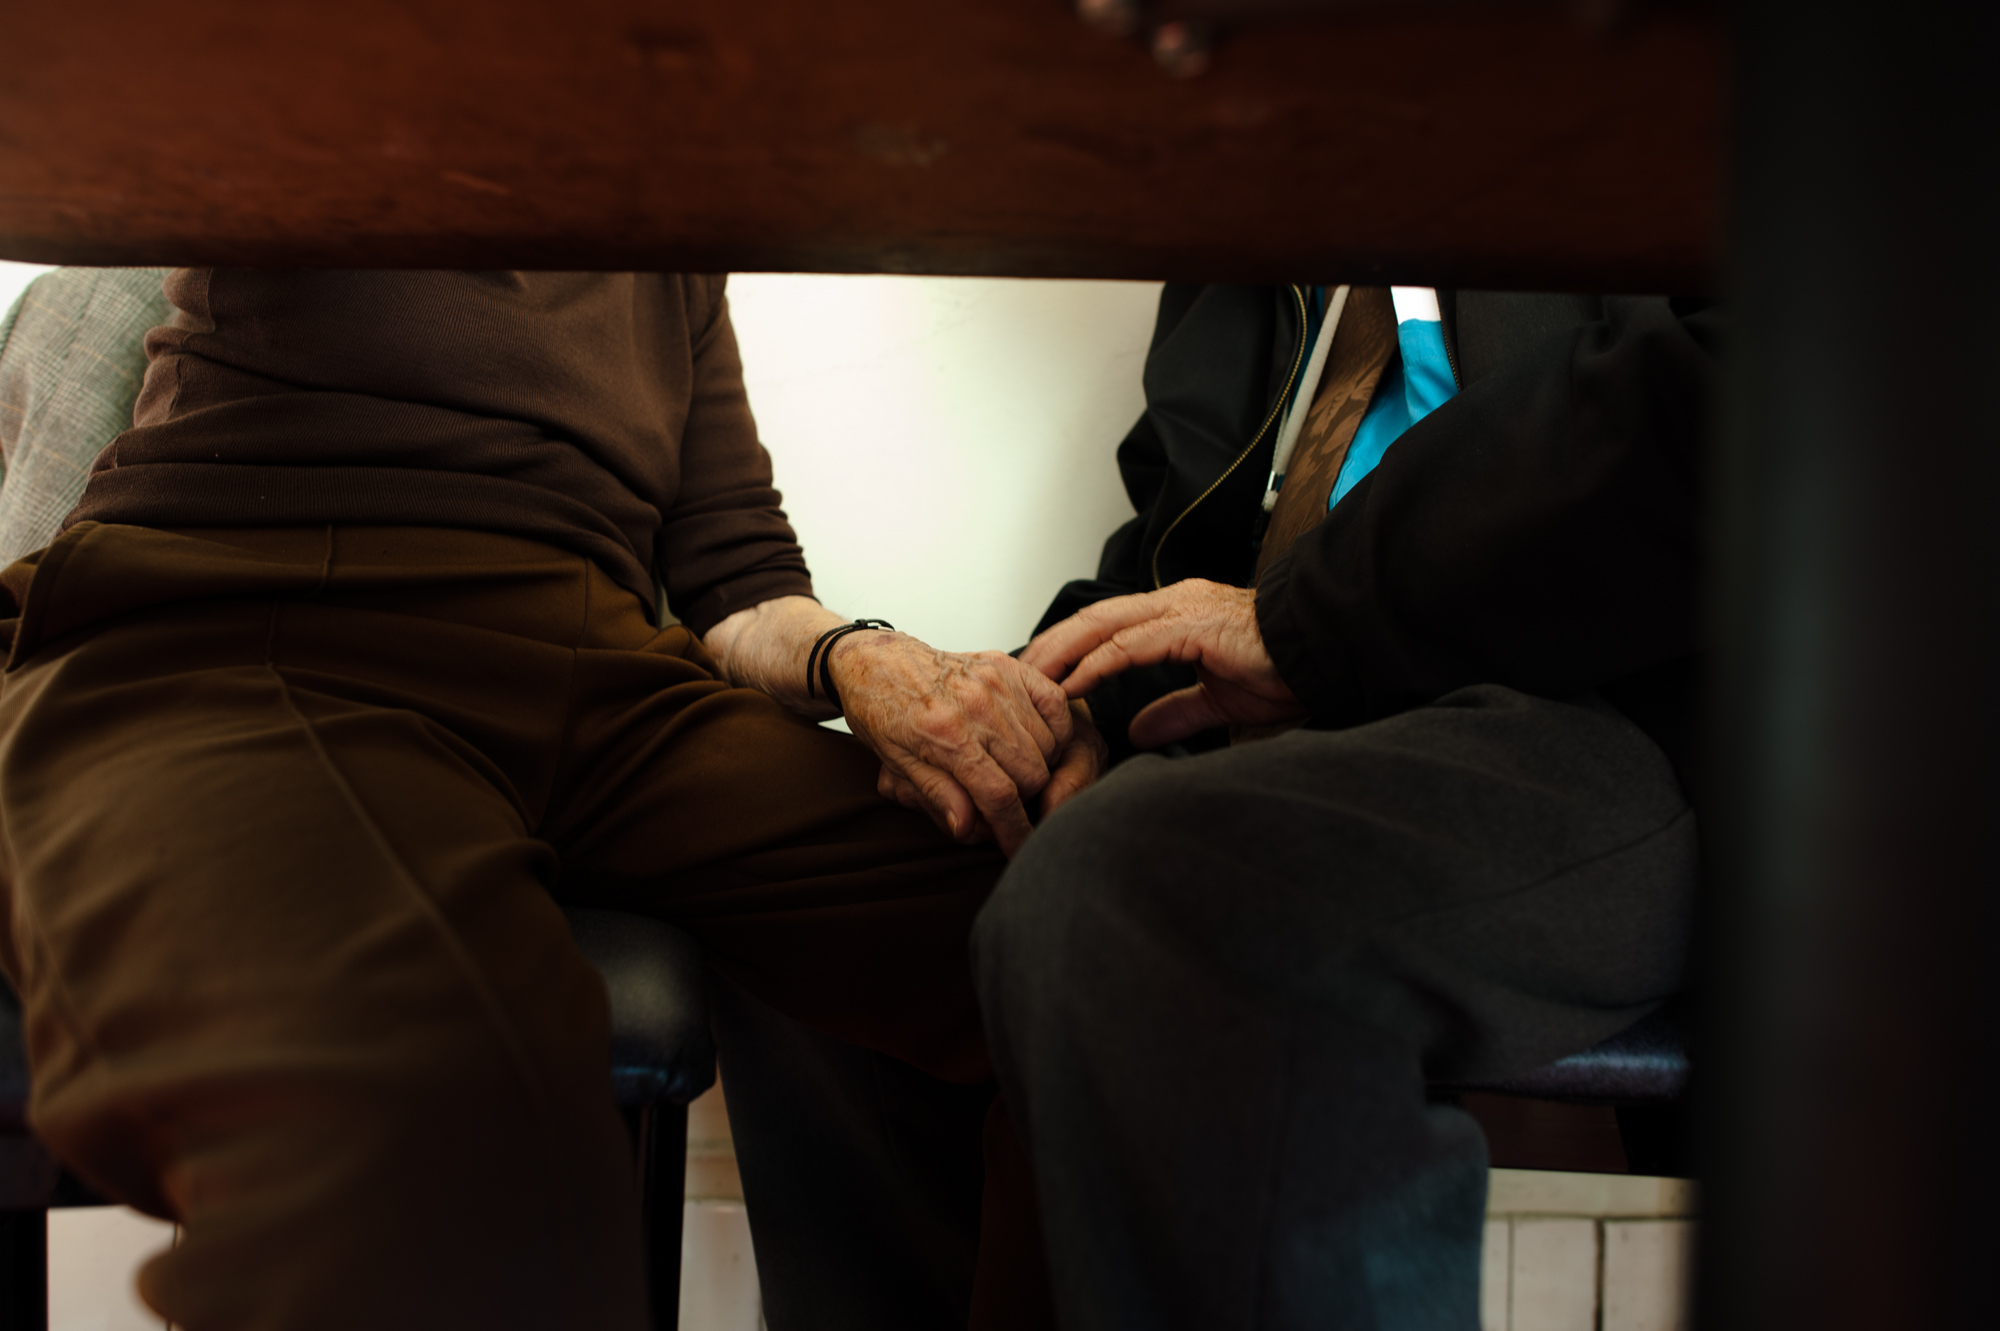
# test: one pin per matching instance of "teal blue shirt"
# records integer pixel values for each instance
(1416, 382)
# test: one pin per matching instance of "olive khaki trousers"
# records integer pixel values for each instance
(287, 817)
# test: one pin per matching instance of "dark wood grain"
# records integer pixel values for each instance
(1491, 145)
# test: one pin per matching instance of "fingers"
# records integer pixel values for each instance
(1073, 776)
(999, 720)
(927, 789)
(1077, 768)
(1184, 712)
(987, 751)
(1082, 759)
(1148, 642)
(967, 738)
(892, 785)
(1178, 623)
(1056, 652)
(998, 799)
(895, 787)
(1200, 623)
(990, 808)
(1051, 702)
(1008, 696)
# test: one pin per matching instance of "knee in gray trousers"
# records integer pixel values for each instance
(1213, 987)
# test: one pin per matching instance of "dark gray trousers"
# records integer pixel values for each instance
(862, 1175)
(1215, 988)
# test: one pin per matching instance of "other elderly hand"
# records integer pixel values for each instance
(965, 737)
(1206, 624)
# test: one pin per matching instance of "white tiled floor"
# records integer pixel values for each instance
(1564, 1252)
(718, 1270)
(1553, 1277)
(1586, 1252)
(1496, 1275)
(1646, 1269)
(1546, 1192)
(94, 1255)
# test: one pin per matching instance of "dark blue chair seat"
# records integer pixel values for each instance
(1620, 1107)
(662, 1057)
(1646, 1064)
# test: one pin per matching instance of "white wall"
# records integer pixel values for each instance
(945, 445)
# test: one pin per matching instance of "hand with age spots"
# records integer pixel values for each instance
(967, 739)
(1075, 767)
(1208, 625)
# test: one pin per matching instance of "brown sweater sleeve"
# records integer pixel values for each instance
(725, 544)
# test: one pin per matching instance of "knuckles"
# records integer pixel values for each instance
(993, 796)
(939, 725)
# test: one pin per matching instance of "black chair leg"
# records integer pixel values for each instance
(661, 1133)
(24, 1270)
(1659, 1139)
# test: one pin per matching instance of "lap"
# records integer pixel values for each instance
(274, 944)
(291, 708)
(1501, 878)
(764, 836)
(170, 795)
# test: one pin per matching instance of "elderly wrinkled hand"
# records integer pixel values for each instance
(968, 738)
(1208, 625)
(1075, 767)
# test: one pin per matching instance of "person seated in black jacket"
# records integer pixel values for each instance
(1429, 560)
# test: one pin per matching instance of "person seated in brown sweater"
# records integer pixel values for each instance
(346, 672)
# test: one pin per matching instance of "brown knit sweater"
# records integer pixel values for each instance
(602, 413)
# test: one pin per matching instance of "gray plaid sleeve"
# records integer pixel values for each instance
(71, 361)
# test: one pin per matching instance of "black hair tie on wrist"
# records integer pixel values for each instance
(819, 663)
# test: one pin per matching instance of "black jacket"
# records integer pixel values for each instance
(1540, 530)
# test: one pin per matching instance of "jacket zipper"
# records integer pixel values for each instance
(1446, 332)
(1277, 409)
